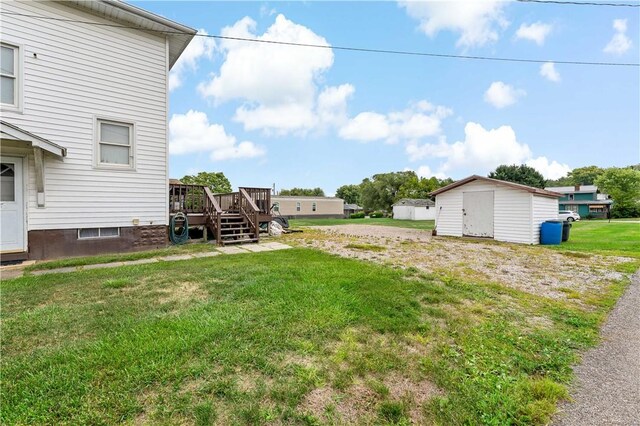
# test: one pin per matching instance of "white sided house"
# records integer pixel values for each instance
(489, 208)
(414, 209)
(84, 107)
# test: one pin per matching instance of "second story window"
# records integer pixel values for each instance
(570, 197)
(9, 76)
(115, 143)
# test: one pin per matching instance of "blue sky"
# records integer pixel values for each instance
(309, 117)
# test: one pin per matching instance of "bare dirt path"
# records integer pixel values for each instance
(607, 389)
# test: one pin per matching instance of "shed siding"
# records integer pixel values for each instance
(106, 72)
(517, 213)
(402, 212)
(543, 209)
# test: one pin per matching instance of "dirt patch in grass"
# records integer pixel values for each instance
(416, 393)
(181, 292)
(534, 269)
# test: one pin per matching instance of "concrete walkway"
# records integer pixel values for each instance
(249, 248)
(607, 390)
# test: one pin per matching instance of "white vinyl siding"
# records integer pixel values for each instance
(81, 73)
(517, 213)
(10, 76)
(543, 209)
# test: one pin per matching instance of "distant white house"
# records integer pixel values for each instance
(482, 207)
(84, 127)
(414, 209)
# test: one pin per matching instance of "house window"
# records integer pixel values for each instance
(572, 207)
(86, 233)
(115, 143)
(7, 182)
(596, 209)
(276, 207)
(570, 196)
(297, 207)
(314, 207)
(9, 75)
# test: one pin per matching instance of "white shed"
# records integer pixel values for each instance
(414, 209)
(505, 211)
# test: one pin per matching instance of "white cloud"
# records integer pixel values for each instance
(478, 22)
(501, 95)
(550, 170)
(198, 47)
(332, 104)
(536, 32)
(426, 172)
(620, 43)
(278, 85)
(481, 151)
(366, 127)
(420, 120)
(192, 133)
(548, 71)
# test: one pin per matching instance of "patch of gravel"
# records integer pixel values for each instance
(607, 390)
(534, 269)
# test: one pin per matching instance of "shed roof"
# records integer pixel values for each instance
(178, 35)
(415, 202)
(587, 202)
(531, 189)
(352, 207)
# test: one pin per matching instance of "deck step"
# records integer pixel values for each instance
(243, 240)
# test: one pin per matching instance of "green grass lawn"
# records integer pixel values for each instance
(246, 339)
(620, 238)
(381, 221)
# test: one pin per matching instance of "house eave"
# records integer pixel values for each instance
(10, 132)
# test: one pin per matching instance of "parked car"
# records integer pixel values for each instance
(568, 215)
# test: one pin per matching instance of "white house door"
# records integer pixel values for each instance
(11, 205)
(477, 214)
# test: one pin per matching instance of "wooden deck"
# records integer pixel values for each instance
(232, 218)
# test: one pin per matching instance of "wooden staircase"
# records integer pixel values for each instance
(233, 218)
(235, 229)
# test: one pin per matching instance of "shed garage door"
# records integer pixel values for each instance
(477, 215)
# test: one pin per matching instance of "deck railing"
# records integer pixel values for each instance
(213, 212)
(249, 210)
(186, 198)
(261, 198)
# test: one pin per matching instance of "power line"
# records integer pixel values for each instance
(345, 48)
(580, 3)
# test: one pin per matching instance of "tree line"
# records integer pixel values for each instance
(382, 190)
(622, 184)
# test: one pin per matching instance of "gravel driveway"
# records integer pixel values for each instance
(534, 269)
(607, 390)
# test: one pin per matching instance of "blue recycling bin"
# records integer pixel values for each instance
(551, 232)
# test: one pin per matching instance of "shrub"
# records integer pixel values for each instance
(625, 211)
(357, 215)
(589, 216)
(376, 214)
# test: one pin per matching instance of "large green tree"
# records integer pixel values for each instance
(349, 193)
(417, 187)
(522, 174)
(563, 181)
(309, 192)
(216, 181)
(585, 175)
(623, 186)
(381, 191)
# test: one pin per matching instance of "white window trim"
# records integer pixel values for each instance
(19, 76)
(314, 207)
(132, 139)
(100, 237)
(298, 207)
(276, 207)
